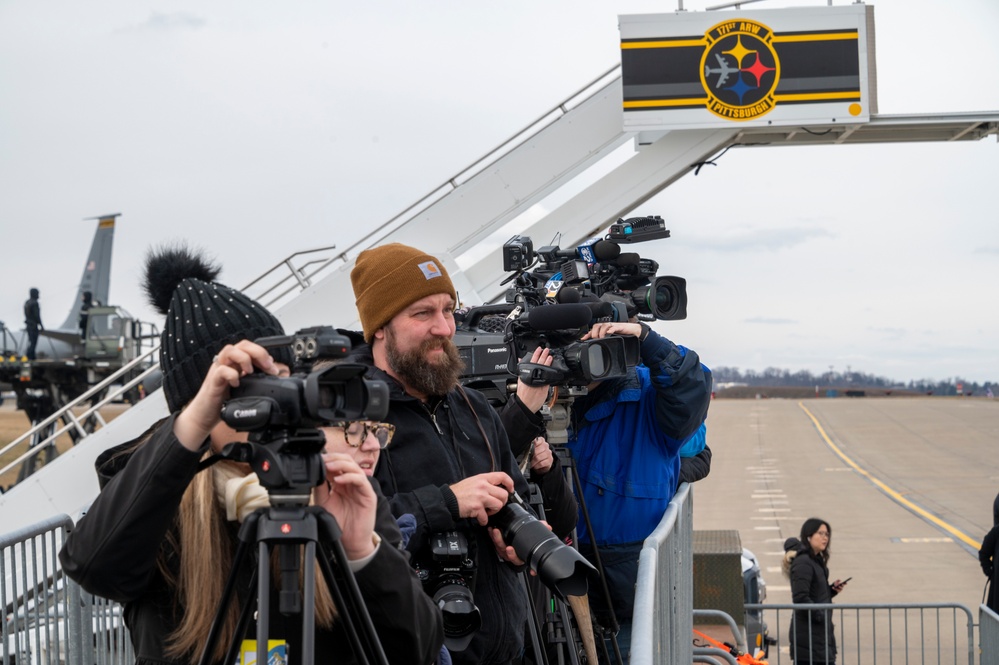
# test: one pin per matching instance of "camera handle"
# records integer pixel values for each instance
(288, 528)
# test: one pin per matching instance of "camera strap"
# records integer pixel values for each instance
(482, 431)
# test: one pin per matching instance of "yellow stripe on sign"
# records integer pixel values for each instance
(663, 44)
(889, 491)
(828, 37)
(817, 96)
(644, 103)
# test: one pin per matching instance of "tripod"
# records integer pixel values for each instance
(287, 526)
(557, 629)
(558, 436)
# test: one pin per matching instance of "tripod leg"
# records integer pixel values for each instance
(540, 653)
(352, 607)
(245, 532)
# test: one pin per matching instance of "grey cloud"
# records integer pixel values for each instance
(161, 22)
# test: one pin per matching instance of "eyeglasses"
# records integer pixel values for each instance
(824, 534)
(355, 432)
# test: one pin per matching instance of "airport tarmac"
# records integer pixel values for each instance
(907, 485)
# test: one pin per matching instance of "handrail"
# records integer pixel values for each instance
(302, 277)
(66, 411)
(418, 207)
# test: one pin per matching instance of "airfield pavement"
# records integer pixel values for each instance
(906, 483)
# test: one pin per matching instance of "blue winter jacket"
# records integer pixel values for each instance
(625, 437)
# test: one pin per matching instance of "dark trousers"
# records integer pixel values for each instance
(32, 342)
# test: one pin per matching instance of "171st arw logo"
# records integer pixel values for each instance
(740, 70)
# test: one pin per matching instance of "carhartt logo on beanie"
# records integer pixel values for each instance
(390, 278)
(202, 316)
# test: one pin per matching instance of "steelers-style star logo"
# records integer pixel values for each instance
(740, 69)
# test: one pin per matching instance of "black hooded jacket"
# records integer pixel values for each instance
(437, 444)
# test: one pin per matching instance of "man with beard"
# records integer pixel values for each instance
(449, 464)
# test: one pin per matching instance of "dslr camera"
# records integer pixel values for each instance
(283, 414)
(447, 568)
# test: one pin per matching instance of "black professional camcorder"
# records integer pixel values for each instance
(282, 414)
(556, 295)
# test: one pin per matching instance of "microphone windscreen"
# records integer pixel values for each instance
(567, 295)
(601, 309)
(629, 259)
(605, 250)
(559, 317)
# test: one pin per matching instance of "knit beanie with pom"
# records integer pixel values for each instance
(202, 316)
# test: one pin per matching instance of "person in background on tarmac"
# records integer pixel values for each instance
(625, 436)
(86, 302)
(812, 634)
(32, 322)
(988, 556)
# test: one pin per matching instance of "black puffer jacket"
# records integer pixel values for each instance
(812, 635)
(113, 552)
(436, 445)
(988, 556)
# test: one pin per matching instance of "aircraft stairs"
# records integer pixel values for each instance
(575, 160)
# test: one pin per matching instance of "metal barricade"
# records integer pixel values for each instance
(48, 619)
(891, 633)
(664, 602)
(988, 635)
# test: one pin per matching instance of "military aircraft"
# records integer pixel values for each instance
(70, 359)
(66, 340)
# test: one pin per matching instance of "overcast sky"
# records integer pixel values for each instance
(258, 129)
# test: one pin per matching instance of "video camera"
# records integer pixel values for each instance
(282, 414)
(598, 272)
(557, 294)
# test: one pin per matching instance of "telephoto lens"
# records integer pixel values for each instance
(559, 567)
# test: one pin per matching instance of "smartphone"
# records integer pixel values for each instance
(846, 580)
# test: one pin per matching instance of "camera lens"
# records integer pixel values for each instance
(665, 298)
(461, 616)
(598, 360)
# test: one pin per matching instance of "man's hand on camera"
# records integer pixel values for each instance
(506, 552)
(348, 496)
(600, 330)
(482, 495)
(534, 397)
(202, 414)
(543, 458)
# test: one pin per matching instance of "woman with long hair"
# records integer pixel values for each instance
(812, 636)
(161, 536)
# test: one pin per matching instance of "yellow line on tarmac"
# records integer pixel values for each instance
(889, 491)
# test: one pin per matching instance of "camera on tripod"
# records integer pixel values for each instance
(282, 414)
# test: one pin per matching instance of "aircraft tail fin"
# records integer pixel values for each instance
(97, 271)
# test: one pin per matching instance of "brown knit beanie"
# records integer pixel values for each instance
(202, 316)
(390, 278)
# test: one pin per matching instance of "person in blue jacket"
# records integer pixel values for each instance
(625, 436)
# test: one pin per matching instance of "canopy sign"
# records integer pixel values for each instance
(810, 65)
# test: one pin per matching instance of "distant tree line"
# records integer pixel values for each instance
(773, 376)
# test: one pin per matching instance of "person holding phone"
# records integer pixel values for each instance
(805, 564)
